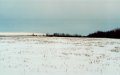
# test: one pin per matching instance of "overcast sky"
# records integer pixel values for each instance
(68, 16)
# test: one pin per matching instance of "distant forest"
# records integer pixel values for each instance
(115, 33)
(63, 35)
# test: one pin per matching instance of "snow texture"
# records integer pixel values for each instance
(30, 55)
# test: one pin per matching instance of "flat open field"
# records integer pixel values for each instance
(59, 56)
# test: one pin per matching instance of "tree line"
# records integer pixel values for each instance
(63, 35)
(115, 33)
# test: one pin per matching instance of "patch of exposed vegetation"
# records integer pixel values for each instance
(116, 49)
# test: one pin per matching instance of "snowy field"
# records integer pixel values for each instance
(59, 56)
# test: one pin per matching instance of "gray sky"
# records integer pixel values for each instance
(68, 16)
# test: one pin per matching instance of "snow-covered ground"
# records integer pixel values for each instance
(59, 56)
(20, 34)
